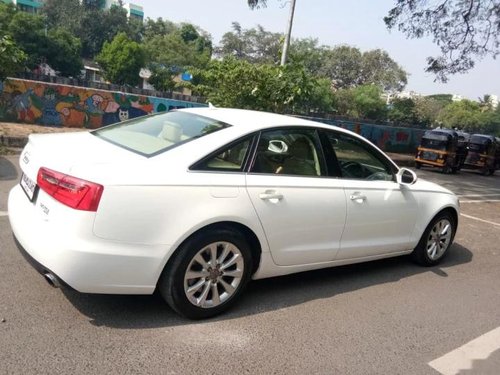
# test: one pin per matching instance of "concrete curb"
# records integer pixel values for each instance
(15, 142)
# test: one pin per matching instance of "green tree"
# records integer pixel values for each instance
(171, 53)
(464, 114)
(427, 109)
(403, 110)
(63, 52)
(121, 60)
(343, 65)
(88, 21)
(57, 47)
(238, 83)
(349, 67)
(28, 32)
(307, 52)
(158, 27)
(361, 102)
(379, 68)
(11, 58)
(463, 30)
(255, 45)
(64, 14)
(469, 115)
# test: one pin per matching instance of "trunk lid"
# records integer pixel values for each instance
(65, 152)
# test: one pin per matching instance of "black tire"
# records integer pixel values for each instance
(454, 170)
(172, 281)
(418, 165)
(420, 254)
(446, 170)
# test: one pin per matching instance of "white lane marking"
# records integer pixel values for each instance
(482, 201)
(4, 213)
(462, 358)
(478, 195)
(478, 219)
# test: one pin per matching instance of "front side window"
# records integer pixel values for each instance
(357, 160)
(151, 135)
(288, 152)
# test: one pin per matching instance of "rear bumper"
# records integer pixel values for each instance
(40, 268)
(430, 162)
(61, 242)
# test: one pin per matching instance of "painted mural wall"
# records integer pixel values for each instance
(387, 138)
(48, 104)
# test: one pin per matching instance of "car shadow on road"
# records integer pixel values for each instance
(7, 170)
(136, 312)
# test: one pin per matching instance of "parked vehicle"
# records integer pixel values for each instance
(442, 148)
(195, 203)
(483, 154)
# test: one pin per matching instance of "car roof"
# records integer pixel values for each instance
(251, 120)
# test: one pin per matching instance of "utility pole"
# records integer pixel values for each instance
(288, 35)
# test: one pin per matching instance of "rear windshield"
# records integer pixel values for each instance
(151, 135)
(436, 144)
(480, 140)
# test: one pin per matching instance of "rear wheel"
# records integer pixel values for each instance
(207, 274)
(436, 240)
(418, 165)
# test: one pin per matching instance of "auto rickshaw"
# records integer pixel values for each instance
(483, 154)
(442, 148)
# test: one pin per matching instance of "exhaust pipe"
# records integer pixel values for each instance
(52, 280)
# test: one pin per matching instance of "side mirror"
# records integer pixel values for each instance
(406, 176)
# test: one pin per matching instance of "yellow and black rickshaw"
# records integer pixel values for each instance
(442, 148)
(483, 154)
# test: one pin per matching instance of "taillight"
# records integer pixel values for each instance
(71, 191)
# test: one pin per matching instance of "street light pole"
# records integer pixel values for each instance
(288, 35)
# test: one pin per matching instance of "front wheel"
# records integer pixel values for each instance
(436, 240)
(207, 274)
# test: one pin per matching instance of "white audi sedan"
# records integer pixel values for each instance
(197, 202)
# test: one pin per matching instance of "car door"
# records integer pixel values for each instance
(301, 209)
(381, 214)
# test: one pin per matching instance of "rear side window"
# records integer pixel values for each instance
(151, 135)
(230, 159)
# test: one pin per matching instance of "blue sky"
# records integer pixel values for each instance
(332, 22)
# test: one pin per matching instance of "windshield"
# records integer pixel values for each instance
(151, 135)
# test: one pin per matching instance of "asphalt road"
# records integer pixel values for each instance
(384, 317)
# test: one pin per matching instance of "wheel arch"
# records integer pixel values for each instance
(250, 236)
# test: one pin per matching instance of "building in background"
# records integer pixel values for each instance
(134, 11)
(494, 101)
(28, 6)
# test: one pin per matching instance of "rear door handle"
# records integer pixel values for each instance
(270, 195)
(357, 197)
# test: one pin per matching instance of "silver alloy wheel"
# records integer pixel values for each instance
(214, 274)
(439, 239)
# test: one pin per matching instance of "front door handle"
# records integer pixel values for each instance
(357, 197)
(271, 195)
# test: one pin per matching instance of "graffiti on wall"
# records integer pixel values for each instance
(78, 107)
(387, 138)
